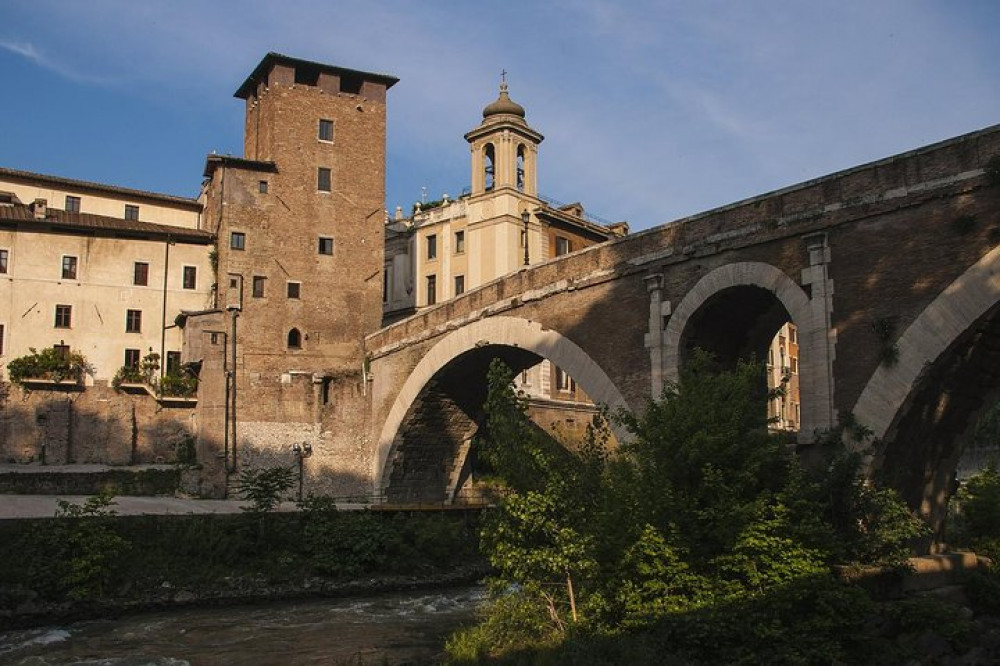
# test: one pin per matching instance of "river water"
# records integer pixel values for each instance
(388, 629)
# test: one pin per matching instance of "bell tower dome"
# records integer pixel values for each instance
(504, 148)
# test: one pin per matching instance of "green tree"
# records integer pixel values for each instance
(702, 509)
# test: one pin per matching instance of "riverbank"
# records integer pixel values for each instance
(69, 568)
(36, 612)
(372, 630)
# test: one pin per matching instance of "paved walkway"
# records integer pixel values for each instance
(45, 506)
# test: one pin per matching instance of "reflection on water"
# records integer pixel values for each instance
(388, 629)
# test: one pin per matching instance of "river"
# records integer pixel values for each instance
(387, 629)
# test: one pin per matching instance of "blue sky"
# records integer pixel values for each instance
(651, 110)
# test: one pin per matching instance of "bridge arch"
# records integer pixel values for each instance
(816, 378)
(511, 332)
(921, 406)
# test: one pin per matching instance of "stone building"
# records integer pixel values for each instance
(102, 272)
(299, 222)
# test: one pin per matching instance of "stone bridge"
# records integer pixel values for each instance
(890, 272)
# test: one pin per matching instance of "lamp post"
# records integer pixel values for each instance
(524, 220)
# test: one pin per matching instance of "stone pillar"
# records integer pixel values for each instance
(658, 310)
(816, 369)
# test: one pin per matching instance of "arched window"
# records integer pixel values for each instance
(489, 170)
(294, 339)
(520, 167)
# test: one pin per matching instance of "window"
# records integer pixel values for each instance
(64, 316)
(72, 204)
(4, 260)
(325, 130)
(133, 321)
(262, 186)
(459, 284)
(323, 179)
(69, 268)
(325, 245)
(432, 247)
(131, 212)
(173, 362)
(258, 286)
(132, 359)
(562, 246)
(61, 350)
(563, 381)
(294, 339)
(795, 365)
(792, 336)
(431, 289)
(140, 274)
(386, 280)
(190, 280)
(520, 167)
(488, 166)
(294, 289)
(237, 240)
(1, 338)
(459, 242)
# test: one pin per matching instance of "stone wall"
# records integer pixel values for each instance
(92, 425)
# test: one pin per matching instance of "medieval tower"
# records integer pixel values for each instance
(299, 226)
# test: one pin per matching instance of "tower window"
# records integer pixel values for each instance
(72, 204)
(131, 212)
(190, 277)
(489, 157)
(237, 240)
(323, 179)
(350, 84)
(133, 321)
(69, 268)
(459, 242)
(258, 286)
(432, 247)
(520, 167)
(431, 289)
(140, 274)
(64, 316)
(294, 339)
(294, 289)
(325, 245)
(325, 130)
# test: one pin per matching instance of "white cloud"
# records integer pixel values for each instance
(28, 51)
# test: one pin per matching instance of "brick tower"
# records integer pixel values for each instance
(299, 222)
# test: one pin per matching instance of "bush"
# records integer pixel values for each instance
(50, 363)
(977, 513)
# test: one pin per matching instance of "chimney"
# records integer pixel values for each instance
(39, 208)
(399, 212)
